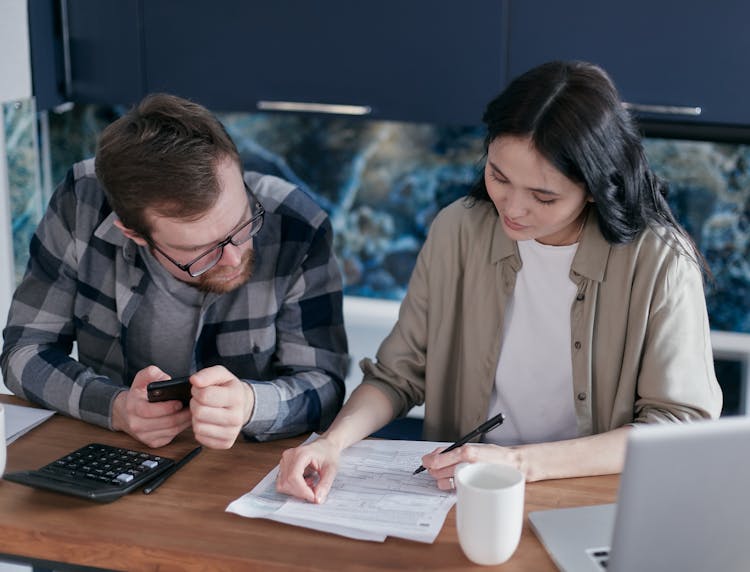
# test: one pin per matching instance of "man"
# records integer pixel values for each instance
(159, 259)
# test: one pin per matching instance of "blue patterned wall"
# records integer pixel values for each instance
(710, 196)
(26, 200)
(383, 182)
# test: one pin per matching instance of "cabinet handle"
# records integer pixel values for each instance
(314, 107)
(688, 110)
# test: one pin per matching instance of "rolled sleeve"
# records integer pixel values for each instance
(677, 380)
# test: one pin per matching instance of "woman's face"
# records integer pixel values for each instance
(534, 199)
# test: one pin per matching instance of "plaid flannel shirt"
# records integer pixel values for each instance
(282, 331)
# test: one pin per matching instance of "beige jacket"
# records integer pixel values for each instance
(640, 339)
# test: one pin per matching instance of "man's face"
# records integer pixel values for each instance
(184, 240)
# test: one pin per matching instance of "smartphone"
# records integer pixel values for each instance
(170, 389)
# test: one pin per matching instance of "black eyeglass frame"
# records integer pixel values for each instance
(258, 216)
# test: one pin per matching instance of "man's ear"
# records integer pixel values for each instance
(131, 234)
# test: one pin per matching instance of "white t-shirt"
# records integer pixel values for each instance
(534, 377)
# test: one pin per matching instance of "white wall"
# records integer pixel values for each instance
(15, 60)
(368, 321)
(15, 84)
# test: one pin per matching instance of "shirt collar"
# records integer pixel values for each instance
(503, 248)
(590, 260)
(593, 251)
(108, 232)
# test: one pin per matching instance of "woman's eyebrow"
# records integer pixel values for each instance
(496, 168)
(533, 189)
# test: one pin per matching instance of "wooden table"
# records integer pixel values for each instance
(183, 525)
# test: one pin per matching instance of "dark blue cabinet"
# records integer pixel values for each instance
(416, 60)
(85, 51)
(438, 61)
(105, 54)
(681, 55)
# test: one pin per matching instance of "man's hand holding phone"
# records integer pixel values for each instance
(152, 423)
(213, 400)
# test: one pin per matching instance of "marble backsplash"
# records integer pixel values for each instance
(383, 182)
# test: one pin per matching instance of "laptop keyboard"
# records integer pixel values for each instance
(600, 556)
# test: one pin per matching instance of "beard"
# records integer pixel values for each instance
(214, 281)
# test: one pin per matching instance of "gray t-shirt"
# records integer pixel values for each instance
(163, 329)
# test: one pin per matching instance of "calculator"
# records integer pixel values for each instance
(98, 472)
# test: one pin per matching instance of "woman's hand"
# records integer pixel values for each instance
(442, 466)
(307, 471)
(601, 454)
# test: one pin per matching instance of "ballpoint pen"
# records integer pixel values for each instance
(155, 484)
(485, 427)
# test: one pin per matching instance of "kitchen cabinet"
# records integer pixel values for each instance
(103, 52)
(680, 56)
(437, 61)
(421, 60)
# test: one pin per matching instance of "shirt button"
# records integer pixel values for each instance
(577, 345)
(581, 396)
(580, 296)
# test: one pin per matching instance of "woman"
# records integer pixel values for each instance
(561, 292)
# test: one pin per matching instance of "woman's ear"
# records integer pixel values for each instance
(131, 234)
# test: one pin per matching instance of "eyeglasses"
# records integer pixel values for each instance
(206, 261)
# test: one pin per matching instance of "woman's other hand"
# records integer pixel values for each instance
(307, 471)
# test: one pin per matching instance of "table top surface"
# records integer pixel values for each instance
(183, 525)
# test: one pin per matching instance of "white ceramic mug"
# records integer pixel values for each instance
(3, 447)
(489, 511)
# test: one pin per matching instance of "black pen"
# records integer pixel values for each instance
(153, 485)
(485, 427)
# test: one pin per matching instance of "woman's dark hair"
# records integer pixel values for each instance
(162, 155)
(573, 115)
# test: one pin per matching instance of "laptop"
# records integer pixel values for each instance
(683, 504)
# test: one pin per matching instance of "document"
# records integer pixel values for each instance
(375, 495)
(20, 420)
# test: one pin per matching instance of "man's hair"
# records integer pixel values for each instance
(162, 155)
